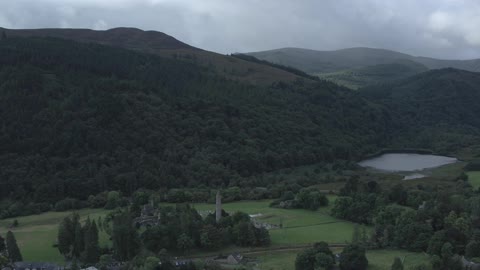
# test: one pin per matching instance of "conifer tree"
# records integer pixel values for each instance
(78, 244)
(13, 251)
(64, 238)
(124, 237)
(100, 224)
(3, 247)
(92, 248)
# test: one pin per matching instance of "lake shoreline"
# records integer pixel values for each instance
(405, 151)
(406, 163)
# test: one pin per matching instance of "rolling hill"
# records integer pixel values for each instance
(359, 67)
(164, 45)
(312, 61)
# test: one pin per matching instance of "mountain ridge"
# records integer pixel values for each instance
(316, 61)
(161, 44)
(112, 36)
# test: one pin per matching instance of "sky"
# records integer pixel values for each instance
(448, 29)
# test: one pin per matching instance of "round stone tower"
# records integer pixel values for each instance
(218, 207)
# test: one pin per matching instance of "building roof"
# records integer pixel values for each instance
(236, 256)
(181, 262)
(90, 268)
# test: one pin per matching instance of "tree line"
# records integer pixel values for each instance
(179, 229)
(441, 221)
(9, 250)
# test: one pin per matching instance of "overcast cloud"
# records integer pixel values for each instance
(436, 28)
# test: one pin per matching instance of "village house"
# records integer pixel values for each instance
(234, 258)
(180, 263)
(231, 259)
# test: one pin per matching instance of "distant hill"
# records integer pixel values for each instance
(346, 63)
(128, 38)
(437, 109)
(312, 61)
(383, 73)
(164, 45)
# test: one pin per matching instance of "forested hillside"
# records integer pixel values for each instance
(377, 74)
(78, 119)
(436, 110)
(159, 43)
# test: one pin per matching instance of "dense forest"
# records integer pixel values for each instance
(78, 119)
(435, 110)
(83, 119)
(295, 71)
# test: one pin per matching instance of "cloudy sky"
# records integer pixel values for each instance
(436, 28)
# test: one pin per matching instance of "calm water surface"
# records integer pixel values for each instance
(399, 162)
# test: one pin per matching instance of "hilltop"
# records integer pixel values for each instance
(161, 44)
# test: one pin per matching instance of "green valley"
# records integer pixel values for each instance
(126, 149)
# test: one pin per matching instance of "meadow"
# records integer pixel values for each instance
(298, 226)
(474, 179)
(37, 234)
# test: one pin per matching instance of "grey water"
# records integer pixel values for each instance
(405, 162)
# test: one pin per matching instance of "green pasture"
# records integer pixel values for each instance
(383, 259)
(474, 179)
(298, 226)
(37, 234)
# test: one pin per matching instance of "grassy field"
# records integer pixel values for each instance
(37, 234)
(474, 179)
(378, 259)
(383, 259)
(299, 226)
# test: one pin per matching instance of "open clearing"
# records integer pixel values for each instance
(474, 179)
(37, 234)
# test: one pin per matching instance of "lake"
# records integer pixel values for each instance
(404, 162)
